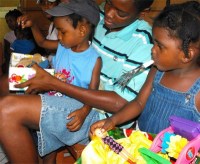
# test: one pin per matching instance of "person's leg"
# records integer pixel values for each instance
(1, 59)
(4, 85)
(17, 114)
(50, 158)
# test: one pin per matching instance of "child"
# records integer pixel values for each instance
(52, 31)
(11, 20)
(173, 84)
(46, 5)
(76, 62)
(24, 42)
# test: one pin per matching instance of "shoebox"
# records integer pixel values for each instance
(20, 68)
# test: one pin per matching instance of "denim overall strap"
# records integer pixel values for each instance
(158, 76)
(195, 88)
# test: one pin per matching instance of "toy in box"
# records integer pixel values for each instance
(20, 71)
(180, 141)
(177, 144)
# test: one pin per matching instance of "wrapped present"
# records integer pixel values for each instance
(20, 71)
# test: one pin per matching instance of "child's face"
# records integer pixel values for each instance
(12, 22)
(67, 35)
(166, 52)
(46, 5)
(119, 13)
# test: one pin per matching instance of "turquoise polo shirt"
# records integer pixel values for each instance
(122, 51)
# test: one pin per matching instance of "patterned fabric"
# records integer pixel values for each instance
(116, 147)
(3, 158)
(122, 51)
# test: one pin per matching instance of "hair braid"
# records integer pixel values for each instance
(182, 22)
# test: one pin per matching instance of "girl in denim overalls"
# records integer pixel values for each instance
(173, 84)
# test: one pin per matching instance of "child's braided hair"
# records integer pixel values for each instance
(182, 21)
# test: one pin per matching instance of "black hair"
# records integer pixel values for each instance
(182, 21)
(140, 5)
(75, 18)
(25, 33)
(13, 13)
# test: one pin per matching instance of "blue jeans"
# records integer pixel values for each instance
(53, 133)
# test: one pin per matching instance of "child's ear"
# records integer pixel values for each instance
(83, 30)
(144, 13)
(190, 56)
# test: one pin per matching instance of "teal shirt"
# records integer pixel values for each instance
(122, 51)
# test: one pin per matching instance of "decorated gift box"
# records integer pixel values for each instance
(20, 68)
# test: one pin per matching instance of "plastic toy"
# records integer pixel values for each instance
(115, 146)
(151, 157)
(187, 129)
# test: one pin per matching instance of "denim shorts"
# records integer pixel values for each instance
(53, 133)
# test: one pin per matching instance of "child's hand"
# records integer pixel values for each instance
(24, 21)
(78, 118)
(103, 125)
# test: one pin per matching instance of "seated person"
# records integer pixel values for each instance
(11, 20)
(24, 43)
(172, 87)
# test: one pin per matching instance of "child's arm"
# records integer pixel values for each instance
(80, 114)
(109, 101)
(1, 58)
(131, 110)
(26, 21)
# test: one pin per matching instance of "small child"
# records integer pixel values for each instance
(9, 38)
(173, 84)
(11, 20)
(24, 43)
(76, 62)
